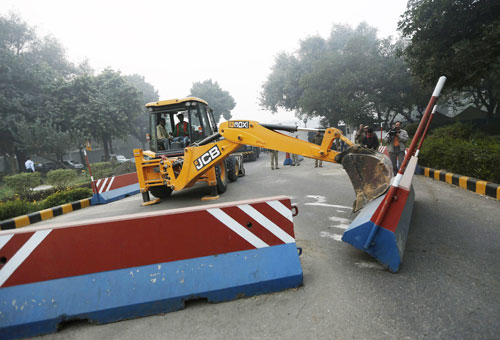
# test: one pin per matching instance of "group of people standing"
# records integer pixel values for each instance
(365, 136)
(395, 139)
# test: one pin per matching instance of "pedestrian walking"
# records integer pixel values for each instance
(274, 159)
(30, 165)
(295, 157)
(317, 140)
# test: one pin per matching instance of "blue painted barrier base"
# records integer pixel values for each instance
(387, 247)
(115, 195)
(38, 308)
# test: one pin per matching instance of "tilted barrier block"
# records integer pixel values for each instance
(389, 242)
(119, 268)
(115, 188)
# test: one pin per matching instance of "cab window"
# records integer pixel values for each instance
(204, 120)
(196, 124)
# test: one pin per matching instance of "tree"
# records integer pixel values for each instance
(457, 38)
(105, 106)
(31, 68)
(219, 100)
(352, 76)
(149, 94)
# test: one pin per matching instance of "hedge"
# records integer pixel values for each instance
(16, 208)
(23, 183)
(68, 196)
(20, 207)
(61, 178)
(461, 149)
(101, 169)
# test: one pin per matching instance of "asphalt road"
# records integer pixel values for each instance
(448, 286)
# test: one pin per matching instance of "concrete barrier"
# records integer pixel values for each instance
(115, 188)
(119, 268)
(386, 242)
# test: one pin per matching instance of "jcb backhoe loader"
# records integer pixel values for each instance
(195, 151)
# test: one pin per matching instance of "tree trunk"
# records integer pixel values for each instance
(21, 159)
(12, 162)
(106, 149)
(110, 141)
(82, 156)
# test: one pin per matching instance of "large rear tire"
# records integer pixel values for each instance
(221, 175)
(232, 169)
(161, 191)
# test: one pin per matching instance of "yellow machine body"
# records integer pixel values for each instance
(369, 171)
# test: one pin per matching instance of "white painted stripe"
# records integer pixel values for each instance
(22, 254)
(336, 237)
(397, 180)
(320, 200)
(97, 184)
(103, 185)
(282, 209)
(439, 86)
(434, 109)
(237, 228)
(110, 182)
(267, 223)
(4, 239)
(339, 219)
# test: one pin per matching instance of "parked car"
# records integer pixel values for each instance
(73, 164)
(120, 158)
(45, 167)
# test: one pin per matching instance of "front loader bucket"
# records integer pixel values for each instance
(370, 173)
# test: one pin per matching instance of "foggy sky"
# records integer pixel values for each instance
(175, 43)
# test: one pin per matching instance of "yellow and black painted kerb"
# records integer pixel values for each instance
(468, 183)
(22, 221)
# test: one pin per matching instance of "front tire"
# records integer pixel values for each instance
(232, 169)
(221, 175)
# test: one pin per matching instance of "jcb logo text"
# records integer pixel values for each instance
(207, 157)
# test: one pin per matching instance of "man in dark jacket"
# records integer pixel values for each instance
(370, 141)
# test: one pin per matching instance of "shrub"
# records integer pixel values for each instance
(461, 150)
(458, 130)
(24, 183)
(64, 197)
(124, 168)
(61, 178)
(101, 169)
(16, 208)
(42, 194)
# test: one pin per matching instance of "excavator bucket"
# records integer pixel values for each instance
(370, 173)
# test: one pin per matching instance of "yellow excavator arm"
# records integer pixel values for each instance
(370, 172)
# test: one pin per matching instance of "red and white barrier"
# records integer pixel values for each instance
(117, 268)
(114, 188)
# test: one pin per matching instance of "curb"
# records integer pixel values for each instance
(464, 182)
(24, 220)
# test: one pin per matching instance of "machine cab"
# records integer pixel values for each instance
(177, 123)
